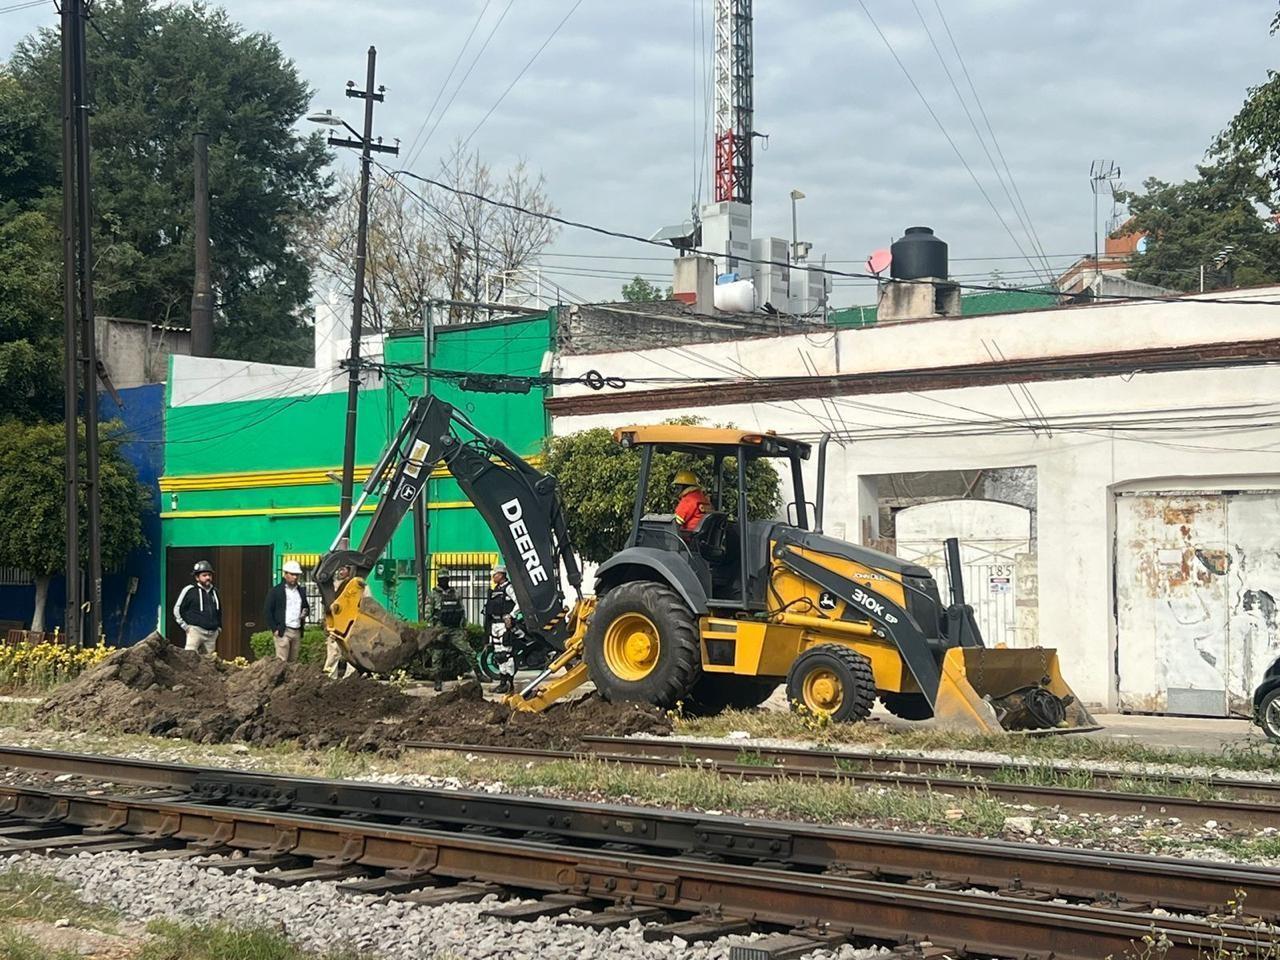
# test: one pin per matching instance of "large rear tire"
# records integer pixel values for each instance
(907, 706)
(642, 645)
(1269, 715)
(833, 681)
(724, 691)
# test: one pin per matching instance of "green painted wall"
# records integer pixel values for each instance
(304, 435)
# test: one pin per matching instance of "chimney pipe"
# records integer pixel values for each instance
(202, 291)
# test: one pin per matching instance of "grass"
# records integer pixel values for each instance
(173, 941)
(821, 801)
(28, 895)
(1257, 755)
(16, 946)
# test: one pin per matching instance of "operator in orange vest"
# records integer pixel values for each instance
(693, 504)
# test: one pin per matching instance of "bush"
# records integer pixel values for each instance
(33, 667)
(311, 650)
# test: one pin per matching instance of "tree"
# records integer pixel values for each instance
(426, 242)
(640, 290)
(599, 477)
(30, 318)
(405, 263)
(1192, 223)
(1254, 133)
(160, 73)
(32, 507)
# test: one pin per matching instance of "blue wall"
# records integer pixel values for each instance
(142, 415)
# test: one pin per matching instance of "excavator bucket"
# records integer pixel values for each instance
(990, 690)
(375, 639)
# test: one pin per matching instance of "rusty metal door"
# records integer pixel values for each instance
(1196, 578)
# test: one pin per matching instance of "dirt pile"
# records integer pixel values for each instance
(156, 688)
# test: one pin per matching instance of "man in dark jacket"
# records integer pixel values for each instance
(445, 610)
(198, 612)
(286, 612)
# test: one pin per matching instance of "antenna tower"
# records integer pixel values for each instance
(733, 100)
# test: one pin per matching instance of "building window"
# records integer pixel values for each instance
(469, 574)
(308, 562)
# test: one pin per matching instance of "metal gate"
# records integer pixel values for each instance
(995, 558)
(1197, 578)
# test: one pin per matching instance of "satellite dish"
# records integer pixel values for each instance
(879, 262)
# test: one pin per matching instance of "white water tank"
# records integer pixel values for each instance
(736, 297)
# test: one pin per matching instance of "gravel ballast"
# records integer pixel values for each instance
(318, 917)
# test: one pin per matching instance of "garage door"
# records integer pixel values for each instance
(1197, 577)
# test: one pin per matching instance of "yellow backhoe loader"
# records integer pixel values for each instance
(714, 616)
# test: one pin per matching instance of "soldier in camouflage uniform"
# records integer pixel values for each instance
(445, 610)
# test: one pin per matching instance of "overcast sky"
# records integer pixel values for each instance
(612, 110)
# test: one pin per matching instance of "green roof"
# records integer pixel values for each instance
(971, 305)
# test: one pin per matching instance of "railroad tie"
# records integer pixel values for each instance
(699, 928)
(385, 885)
(784, 946)
(613, 918)
(458, 893)
(301, 875)
(267, 861)
(550, 906)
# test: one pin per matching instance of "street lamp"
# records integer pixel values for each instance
(795, 242)
(365, 143)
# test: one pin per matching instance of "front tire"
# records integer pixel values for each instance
(1269, 715)
(721, 691)
(833, 681)
(907, 706)
(643, 645)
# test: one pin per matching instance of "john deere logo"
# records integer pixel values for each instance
(827, 601)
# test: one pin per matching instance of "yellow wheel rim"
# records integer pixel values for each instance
(823, 691)
(631, 646)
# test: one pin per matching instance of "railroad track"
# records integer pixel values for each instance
(692, 876)
(1233, 803)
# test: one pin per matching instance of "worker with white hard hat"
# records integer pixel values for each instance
(287, 611)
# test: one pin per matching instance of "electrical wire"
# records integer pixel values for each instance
(942, 127)
(826, 271)
(26, 5)
(537, 53)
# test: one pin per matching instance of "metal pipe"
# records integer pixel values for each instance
(853, 628)
(357, 309)
(955, 576)
(820, 493)
(202, 288)
(88, 335)
(70, 333)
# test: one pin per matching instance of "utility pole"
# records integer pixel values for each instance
(88, 334)
(202, 288)
(70, 355)
(367, 146)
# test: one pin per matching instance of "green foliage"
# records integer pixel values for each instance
(1189, 224)
(30, 315)
(1254, 132)
(159, 73)
(311, 650)
(640, 290)
(220, 941)
(32, 515)
(598, 480)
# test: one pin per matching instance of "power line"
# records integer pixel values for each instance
(474, 60)
(27, 5)
(929, 107)
(827, 271)
(1023, 221)
(449, 76)
(528, 64)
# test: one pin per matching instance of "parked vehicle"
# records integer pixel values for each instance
(1266, 703)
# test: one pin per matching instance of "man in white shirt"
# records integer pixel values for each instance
(287, 611)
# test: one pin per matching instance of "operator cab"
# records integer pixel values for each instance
(727, 548)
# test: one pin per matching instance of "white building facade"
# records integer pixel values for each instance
(1113, 471)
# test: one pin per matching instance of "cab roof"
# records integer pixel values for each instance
(710, 440)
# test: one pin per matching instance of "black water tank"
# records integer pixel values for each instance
(918, 253)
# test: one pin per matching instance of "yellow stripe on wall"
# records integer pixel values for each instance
(250, 479)
(295, 511)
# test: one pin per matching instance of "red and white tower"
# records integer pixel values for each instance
(733, 100)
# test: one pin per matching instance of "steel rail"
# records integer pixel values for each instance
(854, 761)
(1175, 884)
(729, 761)
(866, 909)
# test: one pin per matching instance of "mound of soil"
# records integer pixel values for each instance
(156, 688)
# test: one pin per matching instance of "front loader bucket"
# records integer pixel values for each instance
(374, 639)
(1003, 689)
